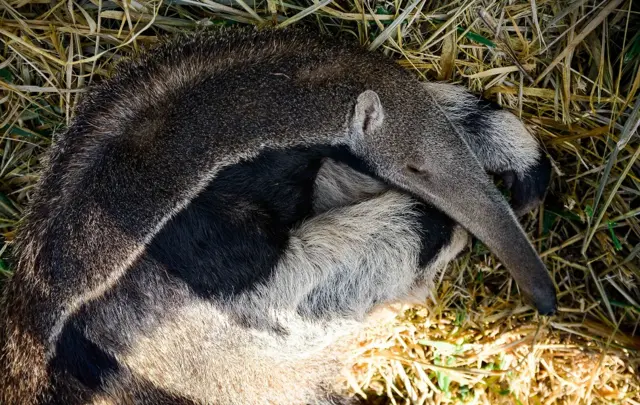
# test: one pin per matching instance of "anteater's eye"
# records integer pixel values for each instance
(411, 168)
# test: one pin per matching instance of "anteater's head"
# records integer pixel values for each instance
(417, 149)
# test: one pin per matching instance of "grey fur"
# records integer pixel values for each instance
(192, 97)
(502, 146)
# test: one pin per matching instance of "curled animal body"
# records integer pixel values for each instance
(227, 210)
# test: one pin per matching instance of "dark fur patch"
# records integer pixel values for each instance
(528, 190)
(476, 119)
(81, 358)
(232, 235)
(436, 229)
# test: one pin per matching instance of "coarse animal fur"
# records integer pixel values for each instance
(226, 211)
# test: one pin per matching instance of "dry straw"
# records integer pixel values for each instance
(568, 68)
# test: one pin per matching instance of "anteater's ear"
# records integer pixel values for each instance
(368, 115)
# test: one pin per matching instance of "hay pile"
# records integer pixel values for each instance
(570, 69)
